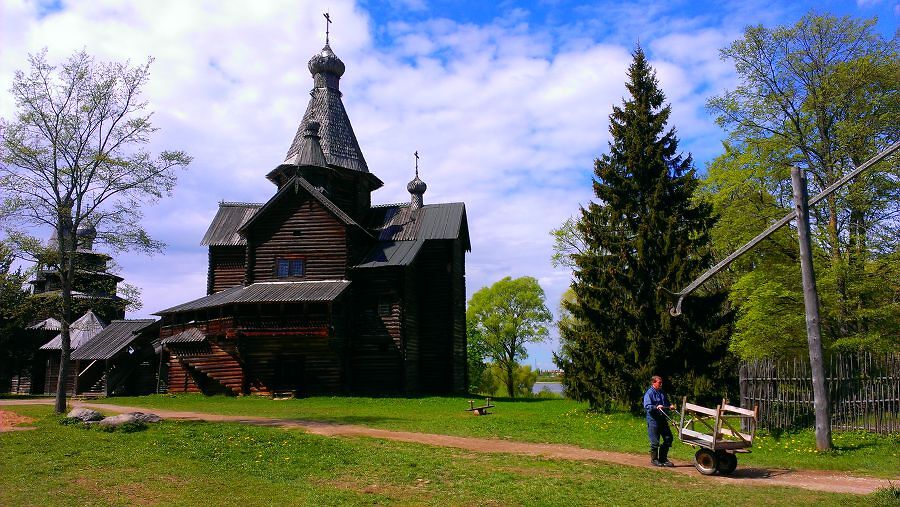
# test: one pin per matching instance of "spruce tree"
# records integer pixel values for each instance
(644, 237)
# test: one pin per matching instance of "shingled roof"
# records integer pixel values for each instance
(223, 231)
(266, 292)
(112, 339)
(339, 144)
(80, 332)
(49, 324)
(402, 230)
(191, 335)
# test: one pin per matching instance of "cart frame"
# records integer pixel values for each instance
(719, 433)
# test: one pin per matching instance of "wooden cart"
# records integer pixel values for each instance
(718, 432)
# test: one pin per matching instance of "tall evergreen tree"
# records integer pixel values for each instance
(644, 236)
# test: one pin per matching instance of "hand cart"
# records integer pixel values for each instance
(719, 433)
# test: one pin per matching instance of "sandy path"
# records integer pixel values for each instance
(11, 421)
(816, 480)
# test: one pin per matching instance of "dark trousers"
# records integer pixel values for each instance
(656, 429)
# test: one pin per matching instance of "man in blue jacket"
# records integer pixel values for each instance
(655, 403)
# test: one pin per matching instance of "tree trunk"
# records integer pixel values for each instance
(66, 249)
(811, 302)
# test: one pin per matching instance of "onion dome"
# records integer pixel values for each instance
(416, 188)
(86, 235)
(326, 63)
(336, 138)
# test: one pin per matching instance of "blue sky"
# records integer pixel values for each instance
(506, 102)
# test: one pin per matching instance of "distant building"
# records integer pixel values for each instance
(95, 303)
(93, 287)
(317, 290)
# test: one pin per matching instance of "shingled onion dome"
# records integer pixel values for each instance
(86, 235)
(326, 68)
(416, 188)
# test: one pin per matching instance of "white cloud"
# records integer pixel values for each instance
(507, 116)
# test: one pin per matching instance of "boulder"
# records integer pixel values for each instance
(117, 420)
(85, 414)
(146, 418)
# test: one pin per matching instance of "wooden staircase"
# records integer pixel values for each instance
(215, 365)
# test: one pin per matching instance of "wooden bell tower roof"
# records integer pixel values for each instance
(338, 142)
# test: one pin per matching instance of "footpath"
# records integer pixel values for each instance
(816, 480)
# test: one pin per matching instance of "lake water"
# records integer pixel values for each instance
(553, 387)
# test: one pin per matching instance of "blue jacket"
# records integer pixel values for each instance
(652, 398)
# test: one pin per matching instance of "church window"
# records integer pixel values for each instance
(286, 267)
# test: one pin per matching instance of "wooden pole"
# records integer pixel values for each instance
(811, 301)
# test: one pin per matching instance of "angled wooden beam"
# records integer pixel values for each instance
(676, 310)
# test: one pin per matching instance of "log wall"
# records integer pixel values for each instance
(227, 267)
(180, 379)
(302, 364)
(434, 281)
(458, 316)
(410, 332)
(52, 374)
(378, 347)
(301, 228)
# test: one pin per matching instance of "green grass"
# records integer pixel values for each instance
(542, 420)
(191, 463)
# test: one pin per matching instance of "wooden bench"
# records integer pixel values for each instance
(482, 410)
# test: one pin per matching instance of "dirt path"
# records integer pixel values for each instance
(11, 421)
(816, 480)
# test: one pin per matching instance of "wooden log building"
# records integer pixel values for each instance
(94, 289)
(122, 359)
(318, 291)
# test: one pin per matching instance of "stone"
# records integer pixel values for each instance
(85, 414)
(115, 421)
(146, 418)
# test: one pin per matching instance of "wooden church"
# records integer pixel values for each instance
(317, 290)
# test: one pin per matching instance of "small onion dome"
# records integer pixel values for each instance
(86, 235)
(416, 188)
(326, 62)
(87, 231)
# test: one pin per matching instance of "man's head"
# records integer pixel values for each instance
(656, 381)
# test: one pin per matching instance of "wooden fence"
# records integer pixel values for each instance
(863, 391)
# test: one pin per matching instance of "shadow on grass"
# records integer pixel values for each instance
(757, 473)
(852, 447)
(514, 400)
(339, 420)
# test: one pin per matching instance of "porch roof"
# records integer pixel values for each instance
(266, 292)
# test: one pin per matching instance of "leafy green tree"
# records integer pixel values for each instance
(567, 243)
(644, 236)
(475, 355)
(820, 95)
(508, 315)
(73, 157)
(13, 348)
(494, 381)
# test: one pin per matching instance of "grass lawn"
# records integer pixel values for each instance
(541, 420)
(191, 463)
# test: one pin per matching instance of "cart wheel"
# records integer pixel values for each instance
(727, 462)
(705, 462)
